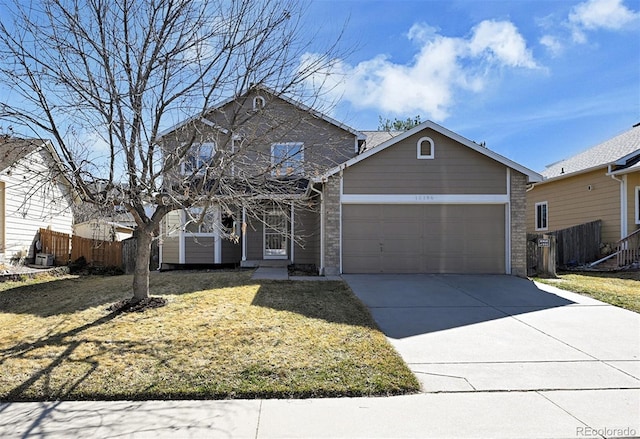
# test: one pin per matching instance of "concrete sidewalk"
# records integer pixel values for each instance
(549, 414)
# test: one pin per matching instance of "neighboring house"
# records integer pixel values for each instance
(601, 183)
(103, 230)
(33, 195)
(422, 201)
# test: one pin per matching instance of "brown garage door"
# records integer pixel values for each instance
(431, 238)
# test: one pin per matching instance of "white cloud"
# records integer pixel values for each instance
(501, 39)
(593, 15)
(442, 67)
(553, 44)
(602, 14)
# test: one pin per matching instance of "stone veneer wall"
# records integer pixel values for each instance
(518, 224)
(332, 226)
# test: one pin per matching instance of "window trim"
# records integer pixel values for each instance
(259, 103)
(298, 156)
(199, 161)
(419, 148)
(538, 225)
(211, 211)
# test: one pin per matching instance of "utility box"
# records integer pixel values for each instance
(44, 259)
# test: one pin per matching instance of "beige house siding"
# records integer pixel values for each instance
(199, 249)
(255, 239)
(571, 202)
(33, 199)
(455, 169)
(170, 237)
(307, 229)
(171, 250)
(633, 182)
(325, 145)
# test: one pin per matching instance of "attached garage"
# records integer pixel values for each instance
(424, 238)
(425, 201)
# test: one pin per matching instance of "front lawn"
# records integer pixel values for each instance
(221, 335)
(620, 289)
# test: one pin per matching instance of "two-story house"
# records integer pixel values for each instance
(315, 191)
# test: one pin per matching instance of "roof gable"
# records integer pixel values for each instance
(264, 90)
(615, 151)
(13, 150)
(531, 175)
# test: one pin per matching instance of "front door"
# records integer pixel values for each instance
(275, 234)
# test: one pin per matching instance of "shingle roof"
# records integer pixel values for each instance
(598, 156)
(12, 150)
(375, 138)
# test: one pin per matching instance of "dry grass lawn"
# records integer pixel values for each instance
(620, 289)
(221, 335)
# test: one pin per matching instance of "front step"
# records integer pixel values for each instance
(265, 263)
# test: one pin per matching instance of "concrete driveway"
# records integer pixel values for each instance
(461, 333)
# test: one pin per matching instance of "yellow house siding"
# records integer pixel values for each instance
(455, 169)
(633, 182)
(570, 202)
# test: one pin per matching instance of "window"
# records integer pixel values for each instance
(637, 204)
(198, 158)
(426, 148)
(287, 159)
(542, 215)
(195, 222)
(258, 103)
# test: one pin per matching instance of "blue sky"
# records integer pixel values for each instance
(538, 81)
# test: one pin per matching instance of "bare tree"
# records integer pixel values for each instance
(102, 79)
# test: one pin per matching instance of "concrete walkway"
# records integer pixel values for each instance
(498, 357)
(282, 273)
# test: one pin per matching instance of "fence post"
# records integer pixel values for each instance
(547, 255)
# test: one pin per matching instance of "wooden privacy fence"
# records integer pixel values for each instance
(67, 248)
(96, 252)
(56, 244)
(574, 245)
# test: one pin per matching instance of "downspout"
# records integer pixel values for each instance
(623, 203)
(321, 270)
(244, 233)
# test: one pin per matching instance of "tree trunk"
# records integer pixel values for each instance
(141, 271)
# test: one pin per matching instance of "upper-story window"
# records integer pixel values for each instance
(198, 158)
(287, 159)
(258, 103)
(426, 148)
(542, 215)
